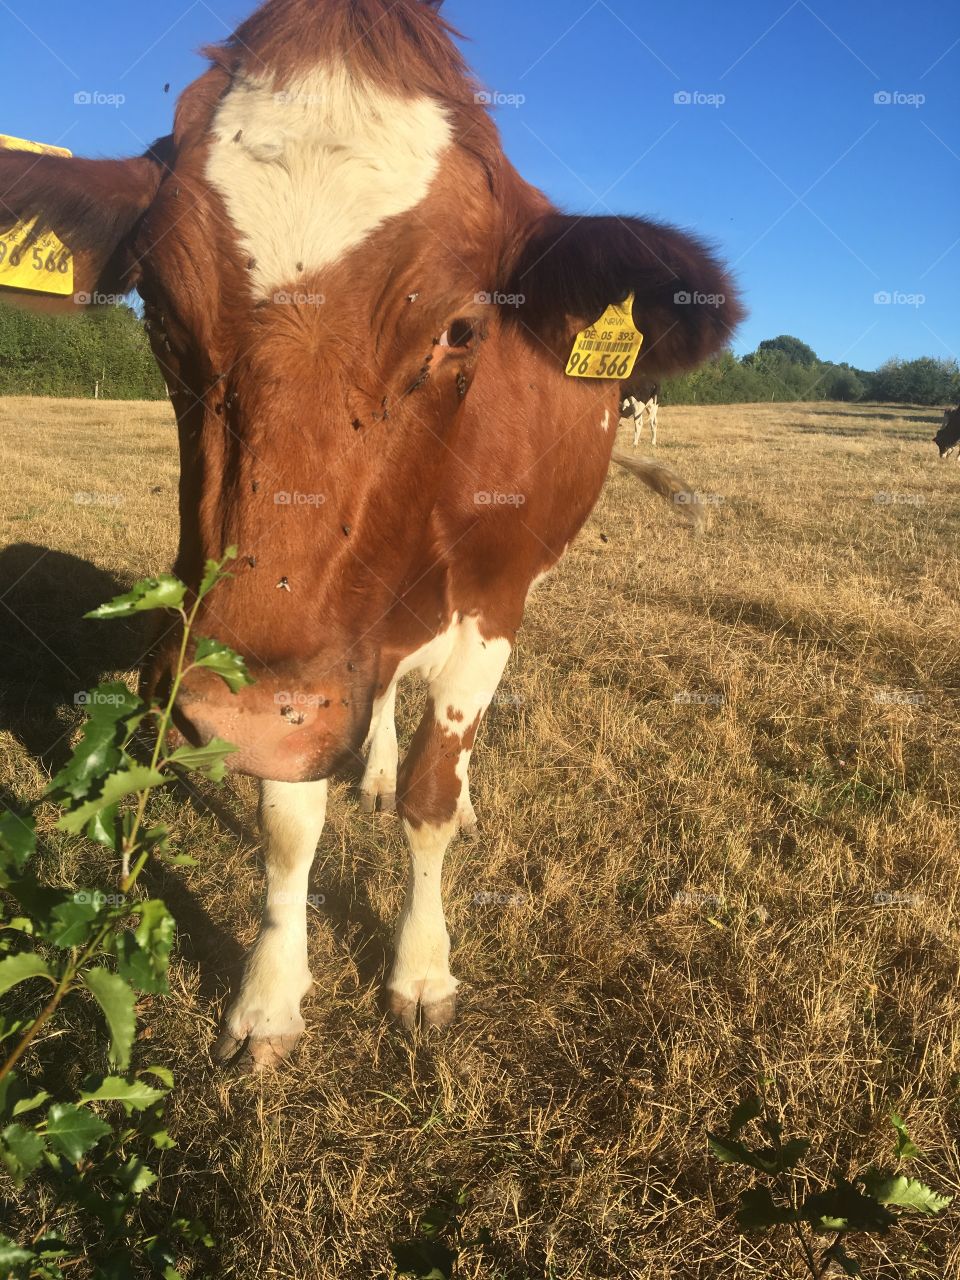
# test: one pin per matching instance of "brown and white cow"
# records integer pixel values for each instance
(947, 438)
(332, 248)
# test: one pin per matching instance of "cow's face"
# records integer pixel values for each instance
(948, 437)
(313, 268)
(316, 245)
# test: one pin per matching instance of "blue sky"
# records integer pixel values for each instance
(822, 196)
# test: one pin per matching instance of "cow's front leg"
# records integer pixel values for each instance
(637, 421)
(264, 1022)
(380, 775)
(434, 801)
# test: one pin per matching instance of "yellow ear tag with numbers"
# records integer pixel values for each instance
(44, 265)
(609, 348)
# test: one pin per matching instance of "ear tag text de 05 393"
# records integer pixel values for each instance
(609, 348)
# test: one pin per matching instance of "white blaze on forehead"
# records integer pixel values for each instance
(310, 170)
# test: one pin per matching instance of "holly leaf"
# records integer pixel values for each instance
(21, 1150)
(143, 954)
(745, 1111)
(135, 1176)
(30, 1104)
(758, 1209)
(11, 1254)
(844, 1208)
(134, 1094)
(213, 572)
(125, 782)
(70, 921)
(23, 965)
(208, 760)
(116, 999)
(905, 1148)
(72, 1130)
(164, 592)
(18, 840)
(904, 1193)
(229, 666)
(113, 712)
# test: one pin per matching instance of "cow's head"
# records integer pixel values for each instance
(948, 437)
(316, 245)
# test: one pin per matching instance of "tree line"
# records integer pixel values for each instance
(786, 369)
(104, 350)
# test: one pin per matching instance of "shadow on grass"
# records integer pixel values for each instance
(49, 653)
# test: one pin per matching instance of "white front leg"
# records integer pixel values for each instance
(380, 775)
(264, 1022)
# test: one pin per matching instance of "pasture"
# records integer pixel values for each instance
(718, 794)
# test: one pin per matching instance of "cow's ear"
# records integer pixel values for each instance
(93, 206)
(568, 270)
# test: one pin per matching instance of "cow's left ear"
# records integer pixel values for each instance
(569, 270)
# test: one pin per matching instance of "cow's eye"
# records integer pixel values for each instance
(460, 336)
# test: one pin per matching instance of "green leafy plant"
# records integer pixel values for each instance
(872, 1203)
(85, 1150)
(433, 1252)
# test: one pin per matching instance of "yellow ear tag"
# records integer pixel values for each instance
(609, 348)
(46, 266)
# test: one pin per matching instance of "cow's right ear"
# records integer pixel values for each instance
(93, 206)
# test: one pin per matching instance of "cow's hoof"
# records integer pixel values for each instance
(388, 800)
(434, 1008)
(254, 1054)
(467, 821)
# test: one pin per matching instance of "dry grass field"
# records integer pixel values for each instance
(719, 798)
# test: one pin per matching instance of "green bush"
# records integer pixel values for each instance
(44, 355)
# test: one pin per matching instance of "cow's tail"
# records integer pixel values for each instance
(671, 487)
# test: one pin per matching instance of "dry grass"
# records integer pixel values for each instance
(690, 796)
